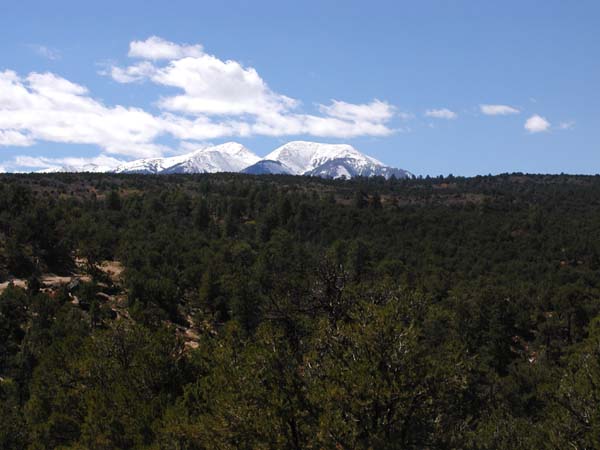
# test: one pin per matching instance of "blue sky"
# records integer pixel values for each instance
(435, 87)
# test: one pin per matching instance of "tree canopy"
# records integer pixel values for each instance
(268, 312)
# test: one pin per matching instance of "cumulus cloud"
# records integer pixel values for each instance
(209, 86)
(14, 138)
(212, 86)
(537, 124)
(213, 99)
(156, 48)
(46, 107)
(244, 104)
(442, 113)
(498, 110)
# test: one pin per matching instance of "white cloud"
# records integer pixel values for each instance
(136, 72)
(156, 48)
(566, 125)
(209, 85)
(203, 128)
(102, 160)
(537, 124)
(442, 113)
(34, 162)
(498, 110)
(306, 124)
(243, 103)
(212, 86)
(376, 111)
(215, 99)
(191, 146)
(45, 107)
(14, 138)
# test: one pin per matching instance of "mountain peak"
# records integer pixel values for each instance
(303, 157)
(294, 158)
(227, 157)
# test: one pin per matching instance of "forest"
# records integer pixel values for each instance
(232, 311)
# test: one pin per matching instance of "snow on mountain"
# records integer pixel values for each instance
(147, 165)
(303, 156)
(346, 168)
(89, 168)
(293, 158)
(228, 157)
(330, 160)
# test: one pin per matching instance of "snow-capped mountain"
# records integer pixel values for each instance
(90, 168)
(293, 158)
(147, 165)
(347, 168)
(228, 157)
(330, 161)
(302, 156)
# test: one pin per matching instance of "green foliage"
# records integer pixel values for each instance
(577, 411)
(113, 200)
(13, 432)
(347, 314)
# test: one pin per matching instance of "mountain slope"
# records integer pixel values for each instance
(293, 158)
(344, 167)
(147, 165)
(87, 168)
(228, 157)
(266, 167)
(330, 161)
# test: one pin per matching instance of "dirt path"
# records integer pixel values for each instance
(113, 269)
(17, 282)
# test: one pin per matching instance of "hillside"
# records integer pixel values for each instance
(203, 311)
